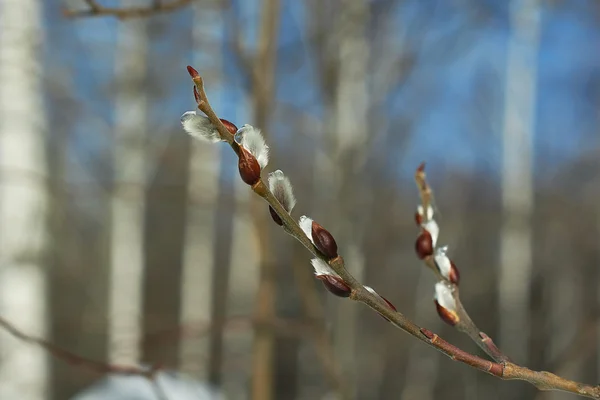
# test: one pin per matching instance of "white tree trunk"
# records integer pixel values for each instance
(128, 196)
(204, 169)
(23, 199)
(517, 179)
(352, 101)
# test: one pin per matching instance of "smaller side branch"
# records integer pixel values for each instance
(77, 360)
(465, 324)
(95, 9)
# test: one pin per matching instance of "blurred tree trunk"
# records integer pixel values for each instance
(203, 178)
(128, 196)
(422, 365)
(23, 199)
(351, 107)
(517, 179)
(263, 90)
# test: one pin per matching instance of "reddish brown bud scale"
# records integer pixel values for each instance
(335, 285)
(427, 333)
(454, 275)
(424, 245)
(449, 317)
(275, 217)
(390, 305)
(421, 167)
(418, 219)
(193, 73)
(248, 167)
(230, 126)
(324, 241)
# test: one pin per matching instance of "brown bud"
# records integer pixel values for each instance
(390, 305)
(193, 73)
(421, 167)
(424, 245)
(335, 285)
(230, 126)
(324, 241)
(448, 316)
(275, 217)
(454, 275)
(418, 219)
(248, 167)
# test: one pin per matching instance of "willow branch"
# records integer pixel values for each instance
(465, 323)
(504, 370)
(95, 9)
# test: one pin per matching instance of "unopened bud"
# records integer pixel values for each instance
(445, 304)
(193, 73)
(335, 285)
(230, 126)
(248, 167)
(418, 218)
(454, 275)
(446, 267)
(433, 228)
(319, 236)
(424, 245)
(389, 303)
(449, 317)
(324, 241)
(252, 140)
(386, 301)
(275, 217)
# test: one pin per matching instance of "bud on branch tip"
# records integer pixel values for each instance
(193, 73)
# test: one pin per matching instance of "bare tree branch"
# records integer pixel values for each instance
(465, 323)
(95, 9)
(504, 369)
(77, 360)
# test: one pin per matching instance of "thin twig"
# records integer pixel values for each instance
(504, 370)
(465, 324)
(95, 9)
(77, 360)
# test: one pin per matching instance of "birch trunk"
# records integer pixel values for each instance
(128, 196)
(23, 199)
(204, 168)
(351, 107)
(517, 179)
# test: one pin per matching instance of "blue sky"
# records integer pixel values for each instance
(455, 92)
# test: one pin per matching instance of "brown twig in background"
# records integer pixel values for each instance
(77, 360)
(504, 369)
(95, 9)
